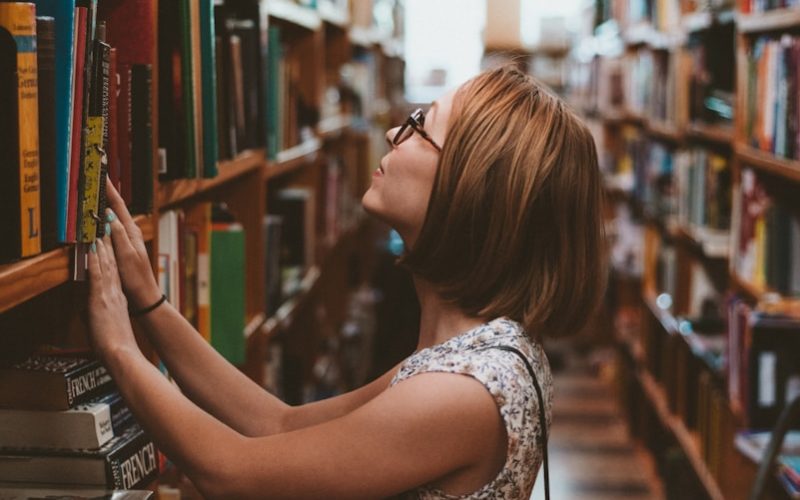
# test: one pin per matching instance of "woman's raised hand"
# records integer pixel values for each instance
(135, 273)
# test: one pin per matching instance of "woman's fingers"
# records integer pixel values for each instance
(120, 238)
(112, 261)
(117, 204)
(95, 271)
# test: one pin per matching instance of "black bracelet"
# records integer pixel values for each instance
(141, 312)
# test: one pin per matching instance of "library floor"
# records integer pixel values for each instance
(591, 453)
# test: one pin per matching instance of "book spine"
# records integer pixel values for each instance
(113, 119)
(187, 63)
(48, 174)
(63, 11)
(133, 465)
(209, 68)
(87, 382)
(103, 79)
(19, 20)
(77, 122)
(91, 180)
(141, 138)
(125, 130)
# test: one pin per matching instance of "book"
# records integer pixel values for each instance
(228, 290)
(208, 64)
(88, 425)
(101, 104)
(79, 54)
(19, 145)
(63, 12)
(130, 30)
(124, 462)
(52, 382)
(753, 444)
(271, 227)
(48, 165)
(773, 368)
(21, 491)
(198, 222)
(141, 139)
(168, 256)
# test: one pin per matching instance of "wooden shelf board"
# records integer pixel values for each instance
(171, 193)
(667, 320)
(685, 438)
(254, 325)
(784, 305)
(27, 278)
(776, 19)
(333, 126)
(715, 133)
(363, 37)
(289, 12)
(293, 159)
(664, 130)
(335, 17)
(696, 21)
(646, 34)
(789, 169)
(705, 244)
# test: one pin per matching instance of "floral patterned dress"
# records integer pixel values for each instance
(507, 379)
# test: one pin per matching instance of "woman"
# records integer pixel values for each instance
(497, 194)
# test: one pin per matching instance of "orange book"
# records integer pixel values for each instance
(21, 115)
(198, 220)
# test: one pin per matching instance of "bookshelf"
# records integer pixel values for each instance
(692, 252)
(316, 133)
(29, 278)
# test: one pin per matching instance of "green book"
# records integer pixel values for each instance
(227, 290)
(209, 77)
(273, 91)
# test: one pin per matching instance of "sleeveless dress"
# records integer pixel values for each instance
(504, 375)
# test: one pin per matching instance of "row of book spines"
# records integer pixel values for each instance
(202, 262)
(63, 217)
(702, 179)
(704, 184)
(748, 6)
(767, 239)
(202, 273)
(773, 122)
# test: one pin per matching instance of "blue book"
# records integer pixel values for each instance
(63, 11)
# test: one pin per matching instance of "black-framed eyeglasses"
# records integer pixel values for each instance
(414, 123)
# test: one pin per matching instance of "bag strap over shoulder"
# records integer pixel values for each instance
(542, 416)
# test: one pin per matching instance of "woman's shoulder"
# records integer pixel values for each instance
(479, 351)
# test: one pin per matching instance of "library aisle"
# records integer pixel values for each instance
(592, 455)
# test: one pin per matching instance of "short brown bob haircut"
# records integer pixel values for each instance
(514, 225)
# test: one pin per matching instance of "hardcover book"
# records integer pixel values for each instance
(228, 290)
(52, 383)
(19, 144)
(48, 169)
(63, 12)
(126, 461)
(87, 426)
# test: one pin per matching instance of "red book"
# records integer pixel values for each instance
(77, 122)
(113, 142)
(131, 29)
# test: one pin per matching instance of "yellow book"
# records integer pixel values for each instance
(18, 20)
(93, 158)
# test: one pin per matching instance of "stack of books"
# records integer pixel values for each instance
(62, 424)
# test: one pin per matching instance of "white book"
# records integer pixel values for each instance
(86, 426)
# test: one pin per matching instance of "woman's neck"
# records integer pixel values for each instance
(439, 320)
